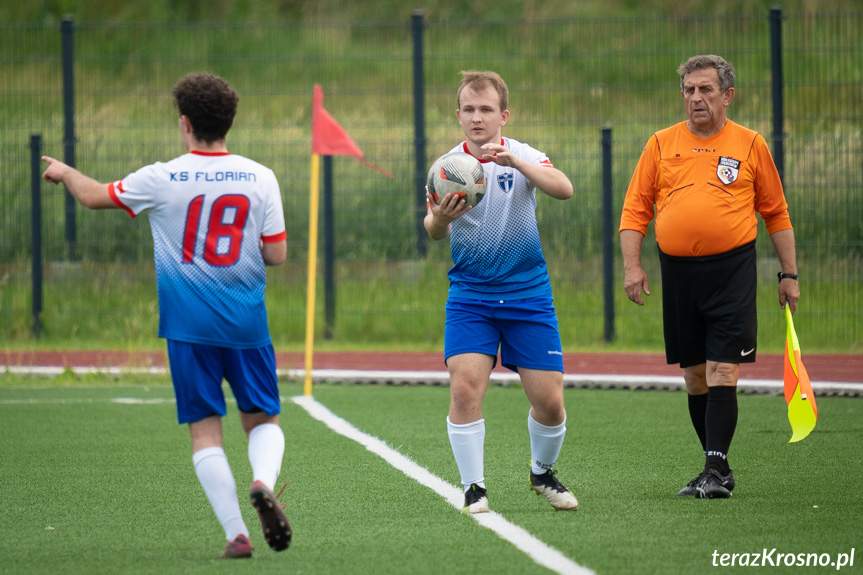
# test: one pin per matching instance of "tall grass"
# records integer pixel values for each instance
(187, 12)
(568, 77)
(384, 305)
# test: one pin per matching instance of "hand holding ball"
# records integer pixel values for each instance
(457, 173)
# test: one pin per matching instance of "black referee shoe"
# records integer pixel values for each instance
(713, 485)
(691, 487)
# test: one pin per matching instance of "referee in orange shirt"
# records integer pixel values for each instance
(706, 178)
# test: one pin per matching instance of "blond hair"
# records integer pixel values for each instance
(479, 80)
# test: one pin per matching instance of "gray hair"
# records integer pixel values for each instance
(723, 68)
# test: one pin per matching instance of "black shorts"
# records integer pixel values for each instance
(709, 307)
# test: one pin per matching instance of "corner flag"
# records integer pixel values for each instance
(328, 137)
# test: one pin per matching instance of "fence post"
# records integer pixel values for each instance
(36, 228)
(607, 235)
(329, 250)
(778, 96)
(419, 130)
(68, 49)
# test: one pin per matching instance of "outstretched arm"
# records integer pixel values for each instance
(86, 190)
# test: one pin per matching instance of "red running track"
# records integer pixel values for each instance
(825, 368)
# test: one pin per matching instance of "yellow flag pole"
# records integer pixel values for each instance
(312, 271)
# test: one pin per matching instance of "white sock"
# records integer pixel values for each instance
(545, 444)
(467, 441)
(266, 449)
(214, 473)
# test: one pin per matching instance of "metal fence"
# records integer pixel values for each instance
(568, 79)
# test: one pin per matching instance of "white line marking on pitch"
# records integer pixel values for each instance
(540, 552)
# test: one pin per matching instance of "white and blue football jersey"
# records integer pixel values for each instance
(495, 247)
(207, 214)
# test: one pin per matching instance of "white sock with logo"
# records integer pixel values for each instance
(266, 449)
(214, 473)
(545, 444)
(468, 441)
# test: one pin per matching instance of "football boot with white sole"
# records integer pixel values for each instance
(547, 485)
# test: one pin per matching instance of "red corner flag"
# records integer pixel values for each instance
(328, 137)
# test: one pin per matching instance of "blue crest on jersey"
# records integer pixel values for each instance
(504, 181)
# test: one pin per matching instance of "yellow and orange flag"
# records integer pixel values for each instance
(802, 411)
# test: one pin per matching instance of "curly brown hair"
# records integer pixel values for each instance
(210, 104)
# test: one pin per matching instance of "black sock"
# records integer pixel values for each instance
(698, 414)
(720, 423)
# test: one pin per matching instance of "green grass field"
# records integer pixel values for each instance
(91, 485)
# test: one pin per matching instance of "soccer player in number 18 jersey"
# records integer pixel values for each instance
(217, 221)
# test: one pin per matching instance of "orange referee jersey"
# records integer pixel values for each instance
(706, 190)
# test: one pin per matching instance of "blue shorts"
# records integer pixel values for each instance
(525, 331)
(197, 371)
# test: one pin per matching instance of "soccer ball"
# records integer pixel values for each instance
(457, 173)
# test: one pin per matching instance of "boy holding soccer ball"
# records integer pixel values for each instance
(500, 295)
(217, 220)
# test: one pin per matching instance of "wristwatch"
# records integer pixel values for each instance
(783, 276)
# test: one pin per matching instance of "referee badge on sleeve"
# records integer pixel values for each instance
(727, 170)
